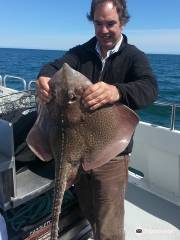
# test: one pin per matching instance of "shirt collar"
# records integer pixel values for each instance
(111, 51)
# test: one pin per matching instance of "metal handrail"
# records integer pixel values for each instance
(173, 106)
(26, 86)
(30, 84)
(15, 79)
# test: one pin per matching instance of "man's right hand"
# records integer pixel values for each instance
(43, 89)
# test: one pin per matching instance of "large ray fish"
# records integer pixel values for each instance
(74, 135)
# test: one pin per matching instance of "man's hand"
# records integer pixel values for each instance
(43, 90)
(99, 94)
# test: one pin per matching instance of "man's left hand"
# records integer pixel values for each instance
(99, 94)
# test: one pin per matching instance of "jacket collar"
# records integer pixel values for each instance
(111, 51)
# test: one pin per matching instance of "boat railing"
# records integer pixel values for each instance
(173, 107)
(30, 85)
(7, 78)
(4, 81)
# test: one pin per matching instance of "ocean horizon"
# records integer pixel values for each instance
(64, 50)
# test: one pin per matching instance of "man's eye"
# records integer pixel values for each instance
(107, 24)
(98, 23)
(110, 24)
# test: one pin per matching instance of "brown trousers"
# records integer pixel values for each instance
(101, 194)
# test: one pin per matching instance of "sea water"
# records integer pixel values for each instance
(26, 63)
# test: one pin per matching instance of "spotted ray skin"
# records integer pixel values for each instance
(74, 136)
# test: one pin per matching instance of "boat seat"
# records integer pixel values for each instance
(22, 175)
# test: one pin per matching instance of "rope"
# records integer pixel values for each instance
(34, 210)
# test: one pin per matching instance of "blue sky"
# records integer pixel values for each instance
(154, 26)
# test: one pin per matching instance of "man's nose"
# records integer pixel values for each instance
(104, 29)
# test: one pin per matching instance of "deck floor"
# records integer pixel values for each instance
(155, 217)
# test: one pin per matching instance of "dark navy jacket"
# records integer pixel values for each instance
(128, 69)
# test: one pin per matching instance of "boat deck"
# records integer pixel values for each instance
(150, 217)
(147, 216)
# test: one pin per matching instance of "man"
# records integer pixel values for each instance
(120, 72)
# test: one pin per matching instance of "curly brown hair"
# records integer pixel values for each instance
(120, 6)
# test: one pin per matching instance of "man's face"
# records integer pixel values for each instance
(107, 25)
